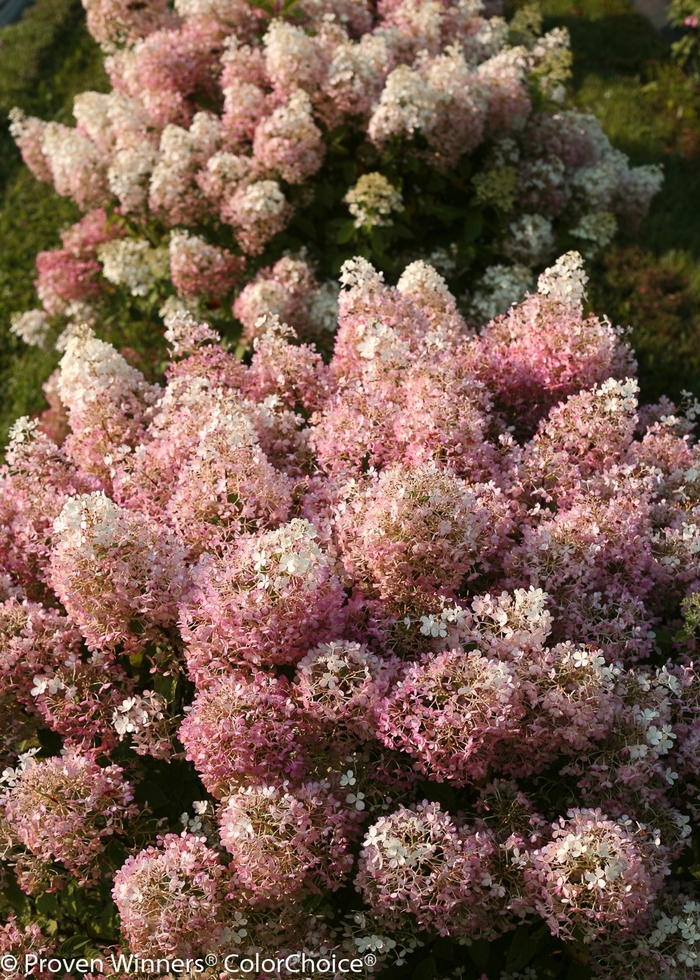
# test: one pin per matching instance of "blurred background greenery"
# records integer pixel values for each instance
(650, 109)
(623, 72)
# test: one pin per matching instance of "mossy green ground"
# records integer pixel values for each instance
(622, 72)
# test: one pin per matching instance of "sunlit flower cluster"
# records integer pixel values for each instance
(226, 119)
(441, 564)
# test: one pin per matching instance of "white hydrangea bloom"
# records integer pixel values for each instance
(357, 70)
(597, 185)
(501, 287)
(423, 284)
(598, 229)
(530, 239)
(91, 369)
(91, 111)
(32, 327)
(407, 104)
(358, 272)
(322, 304)
(290, 551)
(133, 263)
(262, 200)
(372, 201)
(291, 56)
(129, 174)
(566, 280)
(225, 173)
(620, 397)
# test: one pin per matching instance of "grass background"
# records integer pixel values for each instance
(622, 72)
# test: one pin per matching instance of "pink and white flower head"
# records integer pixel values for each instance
(197, 268)
(114, 568)
(286, 840)
(343, 683)
(68, 808)
(265, 601)
(107, 400)
(417, 861)
(257, 211)
(416, 528)
(171, 898)
(243, 731)
(591, 876)
(450, 712)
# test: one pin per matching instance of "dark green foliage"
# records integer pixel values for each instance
(685, 17)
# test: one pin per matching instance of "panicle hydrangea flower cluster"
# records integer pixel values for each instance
(171, 897)
(442, 557)
(66, 808)
(282, 842)
(436, 79)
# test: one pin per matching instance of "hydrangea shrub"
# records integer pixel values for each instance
(409, 637)
(247, 149)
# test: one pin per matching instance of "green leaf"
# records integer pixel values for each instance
(79, 947)
(165, 686)
(425, 970)
(402, 231)
(153, 795)
(473, 226)
(306, 225)
(345, 232)
(664, 641)
(443, 949)
(47, 904)
(579, 971)
(74, 944)
(109, 922)
(479, 953)
(524, 946)
(465, 167)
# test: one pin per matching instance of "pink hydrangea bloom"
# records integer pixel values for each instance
(171, 897)
(265, 601)
(418, 861)
(36, 481)
(343, 683)
(68, 808)
(114, 569)
(199, 268)
(419, 527)
(241, 731)
(284, 840)
(450, 711)
(63, 279)
(591, 875)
